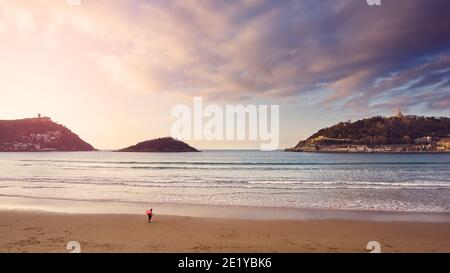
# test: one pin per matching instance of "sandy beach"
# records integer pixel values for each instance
(50, 232)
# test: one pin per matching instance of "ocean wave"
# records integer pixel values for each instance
(354, 205)
(243, 163)
(228, 184)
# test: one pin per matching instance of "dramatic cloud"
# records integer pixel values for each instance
(360, 56)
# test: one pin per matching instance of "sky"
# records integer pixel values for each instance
(112, 70)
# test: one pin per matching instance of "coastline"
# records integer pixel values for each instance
(51, 232)
(43, 205)
(189, 228)
(299, 150)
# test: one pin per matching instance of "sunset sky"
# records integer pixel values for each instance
(111, 70)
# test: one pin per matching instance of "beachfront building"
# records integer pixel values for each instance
(443, 144)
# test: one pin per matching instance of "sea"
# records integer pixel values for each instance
(242, 178)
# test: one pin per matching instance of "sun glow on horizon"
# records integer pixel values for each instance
(112, 70)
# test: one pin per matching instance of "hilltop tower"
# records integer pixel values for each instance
(399, 113)
(43, 118)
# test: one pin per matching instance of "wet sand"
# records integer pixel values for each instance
(50, 232)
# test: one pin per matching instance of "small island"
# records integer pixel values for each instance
(396, 134)
(39, 134)
(160, 145)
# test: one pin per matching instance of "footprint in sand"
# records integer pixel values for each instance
(33, 228)
(201, 247)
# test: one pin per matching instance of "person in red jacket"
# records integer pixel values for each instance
(149, 214)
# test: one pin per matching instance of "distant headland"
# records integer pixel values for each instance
(37, 135)
(396, 134)
(164, 145)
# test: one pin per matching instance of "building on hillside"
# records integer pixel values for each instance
(443, 144)
(423, 140)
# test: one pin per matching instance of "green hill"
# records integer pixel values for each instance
(39, 134)
(165, 145)
(376, 131)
